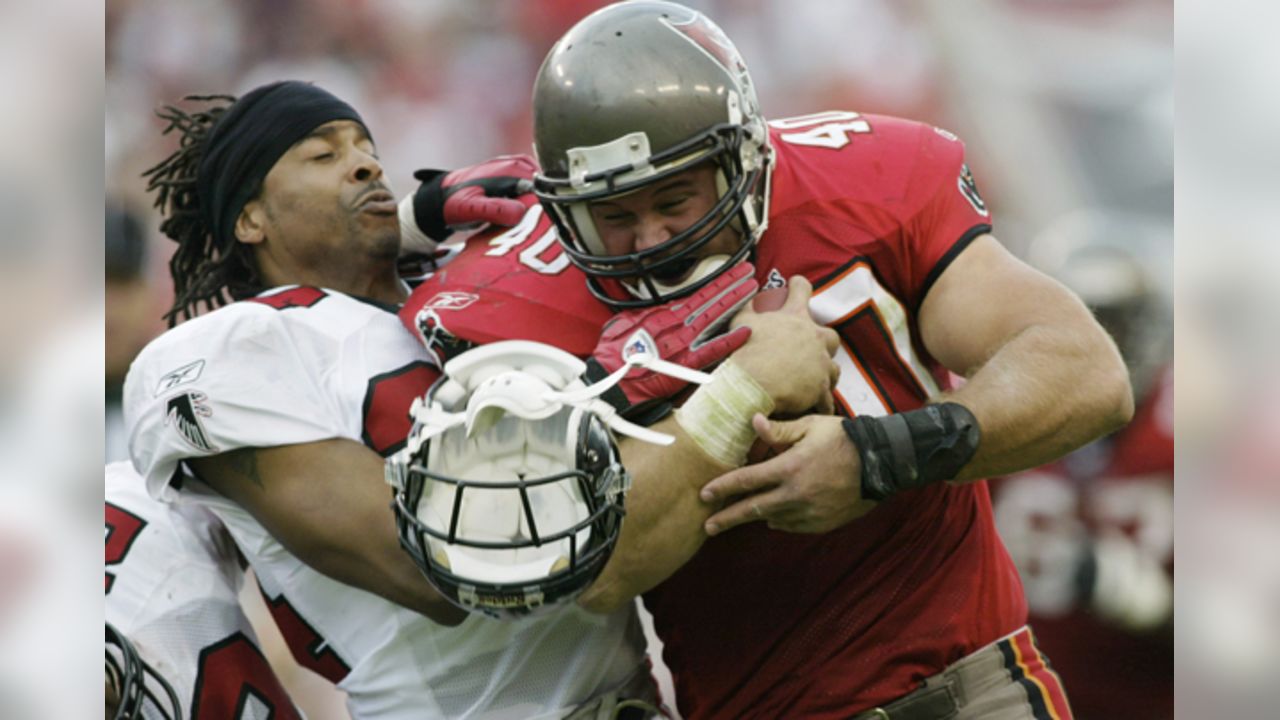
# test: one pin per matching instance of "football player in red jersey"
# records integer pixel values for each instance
(891, 594)
(277, 406)
(1092, 534)
(517, 283)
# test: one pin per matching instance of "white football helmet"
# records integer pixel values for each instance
(509, 491)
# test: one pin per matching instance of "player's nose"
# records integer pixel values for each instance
(365, 167)
(650, 232)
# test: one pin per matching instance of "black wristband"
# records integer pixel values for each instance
(909, 450)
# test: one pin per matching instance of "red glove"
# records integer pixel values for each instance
(685, 331)
(484, 193)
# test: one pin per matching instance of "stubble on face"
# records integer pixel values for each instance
(321, 231)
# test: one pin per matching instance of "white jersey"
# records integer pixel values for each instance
(172, 580)
(301, 365)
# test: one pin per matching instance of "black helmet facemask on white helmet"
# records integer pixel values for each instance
(509, 492)
(632, 95)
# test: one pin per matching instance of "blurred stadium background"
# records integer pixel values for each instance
(1067, 107)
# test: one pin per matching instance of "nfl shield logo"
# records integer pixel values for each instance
(639, 343)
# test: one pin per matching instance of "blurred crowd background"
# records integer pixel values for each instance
(1067, 108)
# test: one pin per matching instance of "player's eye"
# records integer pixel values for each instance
(673, 205)
(613, 217)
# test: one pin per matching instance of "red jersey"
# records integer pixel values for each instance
(516, 284)
(1122, 484)
(770, 624)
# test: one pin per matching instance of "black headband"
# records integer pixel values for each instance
(245, 143)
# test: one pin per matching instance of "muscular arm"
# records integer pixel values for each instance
(663, 526)
(1042, 376)
(666, 518)
(326, 502)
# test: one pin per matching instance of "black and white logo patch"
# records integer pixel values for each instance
(442, 344)
(183, 413)
(183, 375)
(775, 280)
(969, 188)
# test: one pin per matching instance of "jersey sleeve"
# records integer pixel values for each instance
(242, 376)
(951, 213)
(512, 284)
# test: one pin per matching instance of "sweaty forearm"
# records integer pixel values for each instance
(1042, 394)
(663, 527)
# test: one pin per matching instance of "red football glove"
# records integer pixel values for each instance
(683, 331)
(484, 193)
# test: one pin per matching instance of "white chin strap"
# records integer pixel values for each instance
(518, 393)
(589, 397)
(705, 267)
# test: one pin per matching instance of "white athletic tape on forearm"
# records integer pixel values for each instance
(412, 239)
(718, 416)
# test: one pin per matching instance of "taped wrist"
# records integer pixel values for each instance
(718, 415)
(905, 451)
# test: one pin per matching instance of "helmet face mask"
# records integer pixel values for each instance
(518, 507)
(635, 94)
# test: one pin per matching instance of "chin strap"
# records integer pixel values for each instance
(435, 420)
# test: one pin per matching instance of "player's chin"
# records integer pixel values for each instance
(383, 243)
(377, 223)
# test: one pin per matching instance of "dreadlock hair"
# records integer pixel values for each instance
(202, 271)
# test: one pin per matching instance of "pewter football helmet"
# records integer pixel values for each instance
(633, 94)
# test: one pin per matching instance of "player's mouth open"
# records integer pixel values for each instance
(677, 272)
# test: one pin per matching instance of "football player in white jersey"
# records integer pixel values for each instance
(178, 643)
(277, 408)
